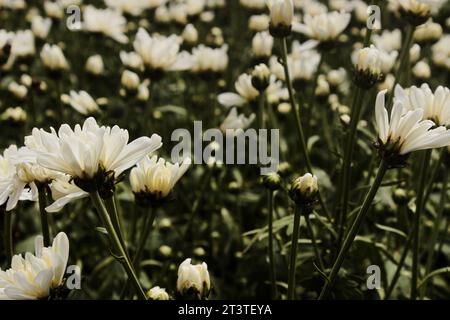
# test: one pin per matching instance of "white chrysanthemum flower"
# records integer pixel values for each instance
(405, 132)
(157, 293)
(156, 177)
(388, 40)
(206, 59)
(303, 62)
(94, 65)
(132, 60)
(436, 106)
(253, 4)
(12, 187)
(13, 4)
(131, 7)
(235, 121)
(429, 31)
(193, 277)
(34, 276)
(246, 92)
(281, 12)
(41, 26)
(106, 21)
(367, 60)
(83, 102)
(16, 114)
(64, 191)
(441, 52)
(259, 22)
(130, 80)
(161, 53)
(85, 151)
(262, 44)
(54, 10)
(420, 7)
(190, 34)
(53, 58)
(323, 27)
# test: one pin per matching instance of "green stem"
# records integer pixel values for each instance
(115, 242)
(44, 215)
(416, 231)
(293, 256)
(111, 207)
(261, 116)
(403, 61)
(354, 229)
(296, 114)
(9, 252)
(273, 278)
(144, 236)
(348, 156)
(314, 242)
(435, 231)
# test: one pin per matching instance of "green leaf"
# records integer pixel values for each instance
(391, 230)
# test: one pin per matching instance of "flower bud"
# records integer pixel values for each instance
(130, 81)
(367, 63)
(271, 181)
(157, 293)
(193, 280)
(421, 70)
(95, 65)
(261, 77)
(281, 15)
(304, 190)
(190, 34)
(400, 196)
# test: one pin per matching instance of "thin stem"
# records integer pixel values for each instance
(293, 257)
(401, 68)
(435, 231)
(261, 115)
(111, 207)
(296, 114)
(44, 215)
(7, 234)
(273, 278)
(314, 242)
(144, 236)
(416, 231)
(114, 239)
(349, 149)
(354, 229)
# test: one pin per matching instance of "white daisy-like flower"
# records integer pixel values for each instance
(63, 192)
(12, 187)
(53, 58)
(83, 102)
(106, 21)
(323, 27)
(193, 277)
(405, 132)
(161, 53)
(156, 177)
(34, 276)
(235, 121)
(206, 59)
(281, 12)
(435, 105)
(85, 151)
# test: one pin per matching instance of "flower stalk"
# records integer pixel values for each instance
(416, 231)
(44, 215)
(296, 113)
(293, 255)
(115, 242)
(7, 233)
(273, 279)
(353, 231)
